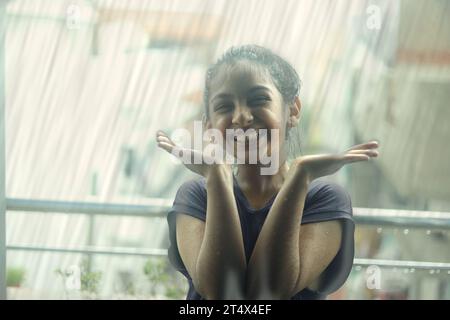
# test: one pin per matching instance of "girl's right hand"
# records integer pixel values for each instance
(187, 156)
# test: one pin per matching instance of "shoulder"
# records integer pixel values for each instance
(322, 188)
(192, 188)
(326, 196)
(194, 184)
(190, 199)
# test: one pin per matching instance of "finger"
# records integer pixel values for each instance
(165, 139)
(182, 153)
(161, 133)
(369, 152)
(166, 146)
(349, 158)
(367, 145)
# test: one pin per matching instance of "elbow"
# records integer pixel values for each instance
(207, 293)
(265, 291)
(269, 295)
(223, 289)
(211, 292)
(281, 294)
(204, 290)
(220, 283)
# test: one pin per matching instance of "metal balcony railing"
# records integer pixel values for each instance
(159, 207)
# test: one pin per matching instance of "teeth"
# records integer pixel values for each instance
(246, 136)
(252, 135)
(249, 136)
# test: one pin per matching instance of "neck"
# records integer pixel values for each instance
(249, 178)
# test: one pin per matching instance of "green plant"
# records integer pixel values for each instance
(15, 276)
(175, 292)
(157, 272)
(88, 280)
(127, 282)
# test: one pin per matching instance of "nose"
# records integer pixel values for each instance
(242, 116)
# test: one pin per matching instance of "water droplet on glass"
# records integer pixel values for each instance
(379, 230)
(448, 272)
(358, 268)
(428, 232)
(405, 270)
(405, 232)
(412, 270)
(431, 271)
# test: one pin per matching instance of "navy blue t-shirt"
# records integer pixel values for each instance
(324, 201)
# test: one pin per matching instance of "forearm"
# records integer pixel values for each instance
(274, 265)
(221, 263)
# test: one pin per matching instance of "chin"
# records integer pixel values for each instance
(266, 151)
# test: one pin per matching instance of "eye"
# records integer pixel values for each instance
(223, 107)
(259, 101)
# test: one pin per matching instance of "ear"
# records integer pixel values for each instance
(294, 112)
(206, 122)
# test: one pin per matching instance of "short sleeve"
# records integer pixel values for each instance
(329, 201)
(190, 199)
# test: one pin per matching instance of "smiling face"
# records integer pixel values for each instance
(243, 96)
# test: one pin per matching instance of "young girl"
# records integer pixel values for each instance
(246, 235)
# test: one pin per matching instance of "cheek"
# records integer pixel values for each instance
(221, 124)
(275, 121)
(270, 120)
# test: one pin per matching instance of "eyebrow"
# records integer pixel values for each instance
(227, 95)
(259, 88)
(221, 95)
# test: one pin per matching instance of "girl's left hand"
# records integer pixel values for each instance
(316, 166)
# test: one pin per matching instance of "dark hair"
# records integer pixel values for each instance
(283, 74)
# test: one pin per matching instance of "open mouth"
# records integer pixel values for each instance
(253, 135)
